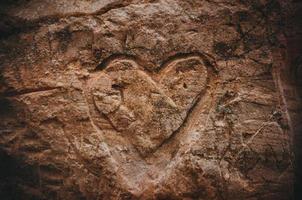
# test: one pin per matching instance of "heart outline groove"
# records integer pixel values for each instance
(148, 108)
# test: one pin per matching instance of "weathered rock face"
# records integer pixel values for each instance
(144, 99)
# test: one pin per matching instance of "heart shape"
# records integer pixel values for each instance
(147, 108)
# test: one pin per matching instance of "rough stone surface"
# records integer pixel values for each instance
(145, 99)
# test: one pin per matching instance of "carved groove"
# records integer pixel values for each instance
(170, 106)
(29, 91)
(207, 58)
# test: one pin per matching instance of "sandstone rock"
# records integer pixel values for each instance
(149, 99)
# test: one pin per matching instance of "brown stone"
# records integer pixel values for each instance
(146, 99)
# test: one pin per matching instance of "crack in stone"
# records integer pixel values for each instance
(29, 91)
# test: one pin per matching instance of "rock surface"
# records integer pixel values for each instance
(144, 99)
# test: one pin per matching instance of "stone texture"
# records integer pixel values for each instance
(145, 99)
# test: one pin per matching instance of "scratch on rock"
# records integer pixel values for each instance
(258, 131)
(29, 91)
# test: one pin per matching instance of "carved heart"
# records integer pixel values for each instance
(148, 108)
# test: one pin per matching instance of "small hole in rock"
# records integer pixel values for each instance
(185, 85)
(116, 86)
